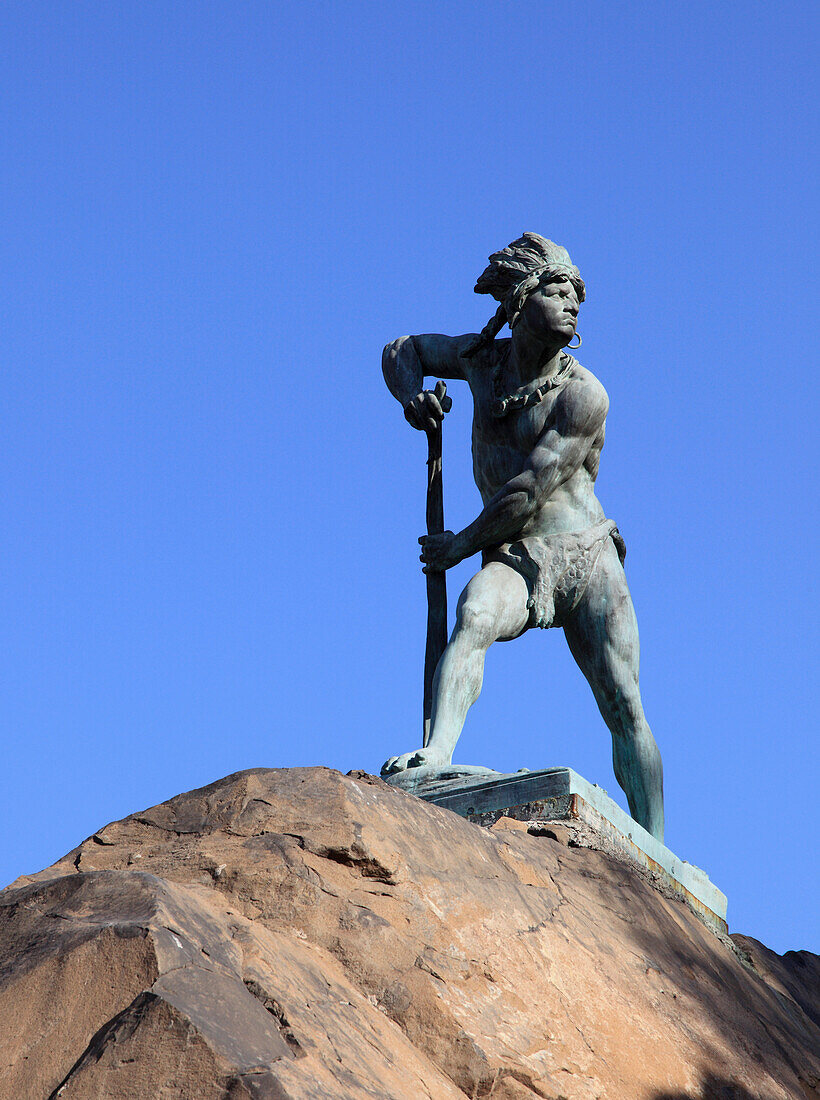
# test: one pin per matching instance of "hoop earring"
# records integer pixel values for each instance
(575, 348)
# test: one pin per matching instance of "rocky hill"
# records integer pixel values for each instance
(299, 935)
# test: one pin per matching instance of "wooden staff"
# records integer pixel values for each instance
(436, 582)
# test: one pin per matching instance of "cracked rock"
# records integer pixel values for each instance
(296, 934)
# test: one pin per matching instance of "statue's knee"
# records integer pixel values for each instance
(476, 622)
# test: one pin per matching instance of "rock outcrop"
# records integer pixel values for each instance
(299, 935)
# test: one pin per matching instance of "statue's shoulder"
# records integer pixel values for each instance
(482, 365)
(478, 359)
(492, 354)
(585, 376)
(592, 389)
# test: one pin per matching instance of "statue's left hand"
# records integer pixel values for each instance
(439, 552)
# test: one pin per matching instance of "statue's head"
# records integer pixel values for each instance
(514, 275)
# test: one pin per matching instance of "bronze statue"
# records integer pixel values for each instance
(550, 557)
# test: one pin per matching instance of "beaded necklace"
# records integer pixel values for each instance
(510, 402)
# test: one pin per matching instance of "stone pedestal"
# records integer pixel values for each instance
(560, 794)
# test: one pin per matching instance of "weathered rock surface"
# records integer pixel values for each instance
(298, 934)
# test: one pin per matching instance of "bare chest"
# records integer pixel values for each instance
(502, 445)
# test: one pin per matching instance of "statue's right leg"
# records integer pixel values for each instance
(493, 607)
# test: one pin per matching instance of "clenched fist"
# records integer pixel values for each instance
(439, 552)
(426, 410)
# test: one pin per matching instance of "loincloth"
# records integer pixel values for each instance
(557, 568)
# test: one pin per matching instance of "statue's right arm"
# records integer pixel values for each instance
(406, 362)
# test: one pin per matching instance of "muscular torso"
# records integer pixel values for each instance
(502, 447)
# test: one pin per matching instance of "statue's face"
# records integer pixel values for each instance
(551, 311)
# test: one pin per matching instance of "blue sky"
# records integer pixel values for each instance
(216, 214)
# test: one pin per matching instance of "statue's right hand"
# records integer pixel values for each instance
(426, 410)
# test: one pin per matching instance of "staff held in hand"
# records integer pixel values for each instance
(426, 413)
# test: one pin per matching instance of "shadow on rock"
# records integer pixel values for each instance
(713, 1087)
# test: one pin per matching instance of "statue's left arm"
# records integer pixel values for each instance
(576, 422)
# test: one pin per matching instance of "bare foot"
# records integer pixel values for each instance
(420, 758)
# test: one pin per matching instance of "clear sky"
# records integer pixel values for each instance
(215, 215)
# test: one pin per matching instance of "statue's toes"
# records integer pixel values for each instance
(394, 764)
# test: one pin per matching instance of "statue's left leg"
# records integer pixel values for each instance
(603, 637)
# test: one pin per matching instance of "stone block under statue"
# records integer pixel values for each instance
(561, 795)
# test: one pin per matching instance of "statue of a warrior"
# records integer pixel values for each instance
(549, 555)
